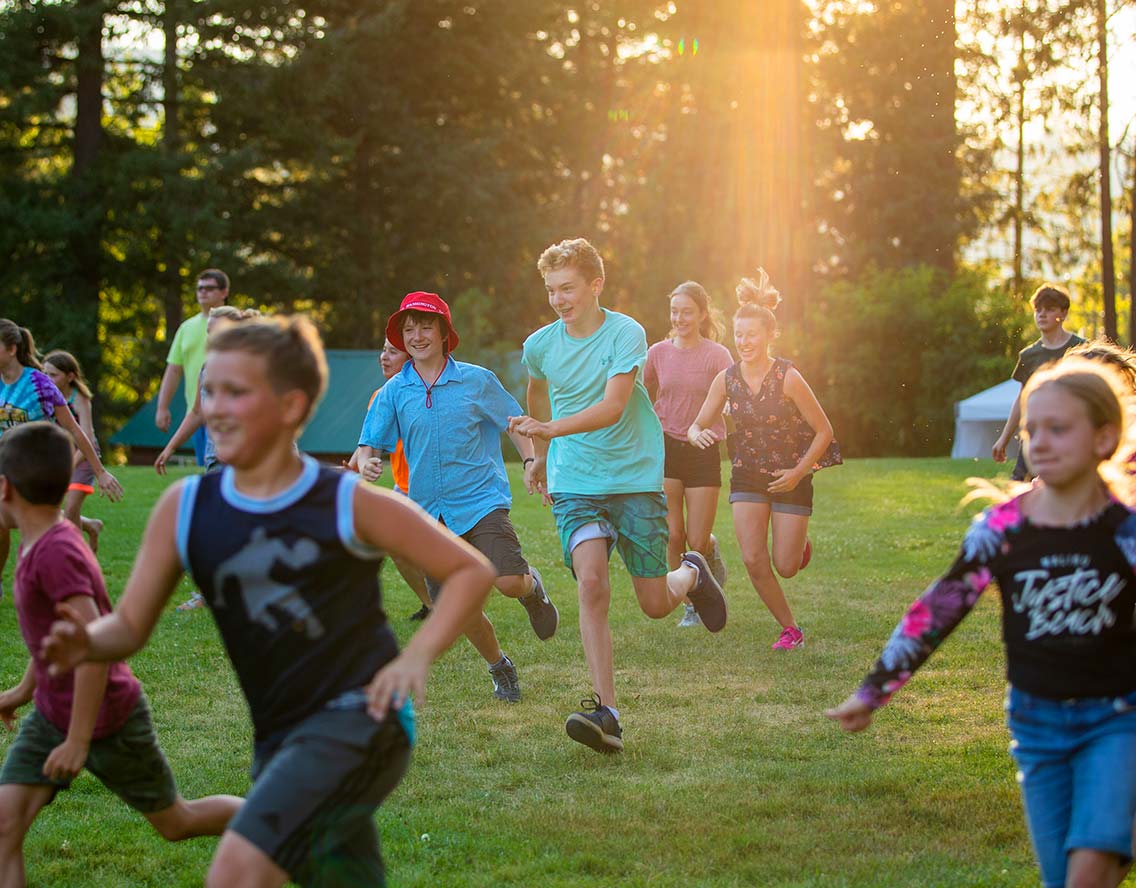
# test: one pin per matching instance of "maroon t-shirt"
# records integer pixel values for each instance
(54, 568)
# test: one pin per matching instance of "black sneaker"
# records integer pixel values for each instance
(506, 685)
(706, 596)
(717, 565)
(421, 614)
(543, 614)
(595, 726)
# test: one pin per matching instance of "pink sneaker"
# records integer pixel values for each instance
(791, 637)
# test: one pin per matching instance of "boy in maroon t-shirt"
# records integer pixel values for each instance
(95, 717)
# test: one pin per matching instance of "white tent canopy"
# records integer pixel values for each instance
(979, 421)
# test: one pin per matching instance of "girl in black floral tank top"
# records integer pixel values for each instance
(782, 437)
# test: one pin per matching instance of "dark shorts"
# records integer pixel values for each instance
(634, 523)
(691, 465)
(1020, 471)
(128, 762)
(751, 487)
(495, 538)
(83, 478)
(314, 794)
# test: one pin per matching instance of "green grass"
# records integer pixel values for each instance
(731, 775)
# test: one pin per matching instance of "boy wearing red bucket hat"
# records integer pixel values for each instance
(450, 416)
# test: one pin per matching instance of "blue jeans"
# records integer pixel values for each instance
(1077, 769)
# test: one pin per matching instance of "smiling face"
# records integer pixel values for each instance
(391, 359)
(422, 336)
(574, 299)
(686, 316)
(245, 415)
(1062, 445)
(751, 339)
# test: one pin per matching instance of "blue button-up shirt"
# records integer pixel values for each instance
(453, 447)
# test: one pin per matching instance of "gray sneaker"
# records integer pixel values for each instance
(543, 614)
(506, 685)
(717, 565)
(706, 596)
(690, 618)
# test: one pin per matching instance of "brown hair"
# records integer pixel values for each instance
(21, 337)
(573, 253)
(36, 459)
(758, 299)
(65, 362)
(709, 326)
(1050, 295)
(291, 348)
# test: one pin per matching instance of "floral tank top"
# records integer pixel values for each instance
(769, 431)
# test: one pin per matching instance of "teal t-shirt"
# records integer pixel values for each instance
(623, 458)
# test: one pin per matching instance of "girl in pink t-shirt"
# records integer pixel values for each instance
(678, 374)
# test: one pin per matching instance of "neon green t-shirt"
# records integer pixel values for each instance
(626, 457)
(188, 352)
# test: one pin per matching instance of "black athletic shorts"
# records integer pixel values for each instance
(314, 794)
(494, 537)
(691, 465)
(751, 487)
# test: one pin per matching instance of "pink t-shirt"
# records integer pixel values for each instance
(679, 378)
(56, 567)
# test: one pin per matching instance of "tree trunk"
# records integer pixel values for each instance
(170, 273)
(1019, 170)
(1132, 252)
(1108, 267)
(82, 286)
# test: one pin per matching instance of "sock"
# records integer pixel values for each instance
(614, 712)
(503, 661)
(682, 580)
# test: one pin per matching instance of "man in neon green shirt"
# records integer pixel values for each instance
(187, 353)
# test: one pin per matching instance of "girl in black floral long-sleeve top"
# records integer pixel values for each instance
(782, 436)
(1063, 555)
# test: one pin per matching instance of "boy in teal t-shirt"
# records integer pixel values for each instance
(599, 463)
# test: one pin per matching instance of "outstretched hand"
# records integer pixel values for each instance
(10, 701)
(109, 486)
(530, 428)
(853, 714)
(704, 439)
(402, 678)
(67, 644)
(536, 480)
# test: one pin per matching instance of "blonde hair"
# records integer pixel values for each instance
(573, 253)
(65, 362)
(1121, 359)
(291, 348)
(758, 299)
(1108, 400)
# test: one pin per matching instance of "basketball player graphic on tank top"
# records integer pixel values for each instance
(256, 569)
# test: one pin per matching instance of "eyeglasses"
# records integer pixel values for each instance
(205, 288)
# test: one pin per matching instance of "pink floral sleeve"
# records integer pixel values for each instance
(937, 612)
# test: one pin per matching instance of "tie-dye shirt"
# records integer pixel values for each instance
(31, 397)
(1068, 596)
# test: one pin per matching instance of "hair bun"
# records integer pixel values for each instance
(758, 292)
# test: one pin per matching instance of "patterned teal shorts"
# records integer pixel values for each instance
(635, 523)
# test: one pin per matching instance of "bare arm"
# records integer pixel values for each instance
(86, 421)
(600, 415)
(998, 451)
(394, 524)
(192, 421)
(700, 434)
(540, 409)
(170, 380)
(68, 758)
(799, 392)
(108, 484)
(117, 635)
(13, 698)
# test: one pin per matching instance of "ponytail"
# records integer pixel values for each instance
(21, 337)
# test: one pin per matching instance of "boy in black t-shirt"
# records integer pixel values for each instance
(1050, 308)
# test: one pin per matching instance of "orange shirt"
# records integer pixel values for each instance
(400, 468)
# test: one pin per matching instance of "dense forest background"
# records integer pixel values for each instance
(907, 171)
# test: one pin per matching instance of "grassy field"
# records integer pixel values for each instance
(731, 775)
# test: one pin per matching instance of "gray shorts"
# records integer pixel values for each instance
(314, 794)
(494, 537)
(128, 762)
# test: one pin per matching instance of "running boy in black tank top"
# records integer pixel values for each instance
(284, 552)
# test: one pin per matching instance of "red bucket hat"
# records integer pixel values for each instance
(430, 303)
